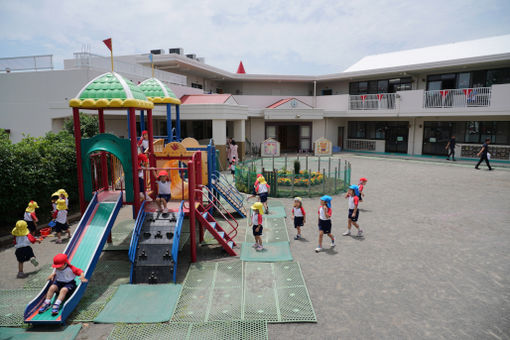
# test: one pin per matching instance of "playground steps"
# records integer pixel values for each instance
(223, 238)
(229, 193)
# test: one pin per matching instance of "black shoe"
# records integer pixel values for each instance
(490, 169)
(448, 159)
(454, 160)
(477, 168)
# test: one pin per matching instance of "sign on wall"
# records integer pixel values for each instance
(323, 147)
(270, 147)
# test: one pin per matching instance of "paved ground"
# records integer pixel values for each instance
(435, 261)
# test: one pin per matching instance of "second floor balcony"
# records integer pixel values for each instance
(469, 97)
(379, 101)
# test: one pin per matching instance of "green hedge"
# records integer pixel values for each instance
(32, 170)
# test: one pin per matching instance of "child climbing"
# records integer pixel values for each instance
(353, 215)
(325, 222)
(30, 217)
(143, 143)
(256, 221)
(263, 191)
(60, 217)
(142, 163)
(164, 193)
(64, 275)
(24, 252)
(299, 216)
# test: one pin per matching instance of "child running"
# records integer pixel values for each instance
(325, 222)
(256, 221)
(60, 217)
(164, 193)
(353, 211)
(30, 217)
(255, 187)
(64, 275)
(299, 216)
(361, 185)
(24, 252)
(263, 191)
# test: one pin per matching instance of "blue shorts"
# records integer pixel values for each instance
(141, 184)
(71, 286)
(165, 197)
(263, 197)
(257, 233)
(60, 227)
(298, 221)
(325, 226)
(355, 217)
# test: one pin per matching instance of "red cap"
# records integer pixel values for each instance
(162, 173)
(142, 157)
(363, 179)
(259, 175)
(59, 260)
(144, 132)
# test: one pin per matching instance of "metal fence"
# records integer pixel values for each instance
(471, 97)
(28, 63)
(379, 101)
(314, 176)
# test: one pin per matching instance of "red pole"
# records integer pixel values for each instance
(197, 159)
(152, 157)
(134, 158)
(191, 200)
(104, 163)
(79, 169)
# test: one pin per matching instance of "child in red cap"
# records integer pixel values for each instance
(164, 193)
(361, 185)
(142, 163)
(64, 275)
(143, 143)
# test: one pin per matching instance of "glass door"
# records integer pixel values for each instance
(305, 137)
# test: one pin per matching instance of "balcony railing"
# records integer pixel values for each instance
(472, 97)
(379, 101)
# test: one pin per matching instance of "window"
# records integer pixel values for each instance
(382, 86)
(372, 86)
(498, 76)
(327, 92)
(197, 86)
(464, 80)
(479, 78)
(354, 88)
(271, 131)
(363, 87)
(367, 130)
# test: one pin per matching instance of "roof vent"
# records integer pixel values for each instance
(160, 51)
(178, 51)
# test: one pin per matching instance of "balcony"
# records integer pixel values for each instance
(470, 97)
(379, 101)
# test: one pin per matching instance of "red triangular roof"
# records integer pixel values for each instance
(240, 69)
(283, 101)
(205, 98)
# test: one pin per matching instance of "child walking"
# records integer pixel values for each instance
(353, 215)
(299, 216)
(361, 185)
(64, 275)
(164, 193)
(256, 221)
(24, 252)
(263, 191)
(325, 222)
(60, 217)
(30, 217)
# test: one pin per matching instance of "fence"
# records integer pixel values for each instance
(321, 175)
(472, 97)
(28, 63)
(380, 101)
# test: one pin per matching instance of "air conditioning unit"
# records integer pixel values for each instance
(201, 59)
(160, 51)
(191, 56)
(178, 51)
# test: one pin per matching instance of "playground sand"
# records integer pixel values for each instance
(434, 262)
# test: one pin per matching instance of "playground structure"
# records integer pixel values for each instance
(155, 241)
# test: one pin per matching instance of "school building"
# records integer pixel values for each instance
(407, 102)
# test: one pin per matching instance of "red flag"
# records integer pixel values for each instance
(108, 43)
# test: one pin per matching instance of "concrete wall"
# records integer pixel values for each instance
(269, 88)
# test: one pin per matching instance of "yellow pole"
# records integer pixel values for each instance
(111, 56)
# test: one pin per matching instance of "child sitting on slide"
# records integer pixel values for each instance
(64, 275)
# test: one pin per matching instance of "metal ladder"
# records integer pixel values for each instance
(229, 193)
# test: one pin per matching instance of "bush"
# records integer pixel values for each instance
(89, 125)
(297, 167)
(33, 169)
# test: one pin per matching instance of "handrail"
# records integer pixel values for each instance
(136, 233)
(212, 204)
(177, 238)
(228, 190)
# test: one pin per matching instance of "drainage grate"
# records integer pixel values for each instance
(92, 303)
(255, 330)
(12, 305)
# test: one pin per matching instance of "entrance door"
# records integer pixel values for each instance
(435, 138)
(289, 138)
(341, 137)
(396, 138)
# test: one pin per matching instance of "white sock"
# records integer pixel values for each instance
(47, 301)
(58, 302)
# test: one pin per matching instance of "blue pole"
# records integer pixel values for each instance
(169, 123)
(142, 121)
(178, 122)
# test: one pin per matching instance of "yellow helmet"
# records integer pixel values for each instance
(62, 192)
(55, 195)
(61, 204)
(32, 205)
(21, 229)
(258, 206)
(262, 180)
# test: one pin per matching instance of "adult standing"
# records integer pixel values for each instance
(232, 155)
(229, 144)
(484, 154)
(451, 148)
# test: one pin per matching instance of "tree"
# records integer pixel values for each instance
(89, 125)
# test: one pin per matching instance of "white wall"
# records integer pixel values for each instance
(269, 88)
(257, 130)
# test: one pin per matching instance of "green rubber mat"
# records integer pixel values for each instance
(274, 203)
(272, 252)
(92, 303)
(274, 230)
(111, 273)
(13, 303)
(223, 330)
(64, 333)
(276, 211)
(141, 304)
(121, 235)
(38, 279)
(273, 292)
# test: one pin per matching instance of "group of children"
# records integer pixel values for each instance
(354, 195)
(25, 230)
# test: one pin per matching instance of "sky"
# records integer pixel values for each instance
(270, 37)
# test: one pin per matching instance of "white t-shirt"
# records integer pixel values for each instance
(163, 187)
(28, 216)
(64, 275)
(298, 212)
(262, 188)
(322, 214)
(353, 202)
(22, 241)
(61, 216)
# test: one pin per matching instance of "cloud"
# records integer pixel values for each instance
(297, 37)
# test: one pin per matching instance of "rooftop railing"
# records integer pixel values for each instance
(379, 101)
